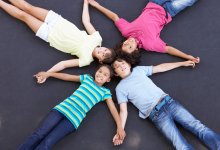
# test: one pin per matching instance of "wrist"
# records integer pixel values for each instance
(48, 74)
(120, 128)
(96, 5)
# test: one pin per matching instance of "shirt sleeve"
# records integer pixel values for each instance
(159, 46)
(107, 95)
(122, 96)
(122, 24)
(85, 76)
(97, 38)
(148, 70)
(84, 62)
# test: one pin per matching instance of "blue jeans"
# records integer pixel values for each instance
(53, 129)
(165, 118)
(173, 7)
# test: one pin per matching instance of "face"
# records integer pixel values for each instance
(122, 68)
(101, 53)
(130, 45)
(102, 75)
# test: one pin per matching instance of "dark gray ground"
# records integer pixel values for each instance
(24, 103)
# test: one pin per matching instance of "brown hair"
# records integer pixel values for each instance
(109, 57)
(109, 68)
(132, 58)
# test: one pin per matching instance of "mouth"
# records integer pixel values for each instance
(99, 78)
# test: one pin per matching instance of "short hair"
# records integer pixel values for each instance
(119, 59)
(107, 66)
(132, 58)
(109, 57)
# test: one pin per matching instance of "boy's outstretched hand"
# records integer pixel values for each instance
(189, 63)
(41, 77)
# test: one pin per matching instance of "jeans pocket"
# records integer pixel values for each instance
(155, 117)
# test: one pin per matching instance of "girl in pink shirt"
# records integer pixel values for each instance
(144, 31)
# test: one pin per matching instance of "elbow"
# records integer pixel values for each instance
(62, 65)
(115, 17)
(84, 22)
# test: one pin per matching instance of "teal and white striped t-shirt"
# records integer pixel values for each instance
(82, 100)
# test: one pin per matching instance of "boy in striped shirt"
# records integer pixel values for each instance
(66, 117)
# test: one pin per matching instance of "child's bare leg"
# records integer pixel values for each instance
(37, 12)
(32, 22)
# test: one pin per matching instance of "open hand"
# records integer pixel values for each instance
(116, 141)
(189, 63)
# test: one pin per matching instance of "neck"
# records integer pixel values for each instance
(93, 53)
(125, 76)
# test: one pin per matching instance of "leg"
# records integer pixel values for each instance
(49, 123)
(176, 6)
(31, 21)
(37, 12)
(64, 128)
(166, 125)
(188, 121)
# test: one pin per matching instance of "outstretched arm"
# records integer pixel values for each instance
(173, 51)
(58, 67)
(64, 64)
(86, 18)
(169, 66)
(61, 76)
(120, 129)
(123, 117)
(111, 15)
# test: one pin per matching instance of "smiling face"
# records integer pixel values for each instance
(101, 53)
(121, 68)
(130, 45)
(102, 75)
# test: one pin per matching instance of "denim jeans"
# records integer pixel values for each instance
(165, 118)
(174, 6)
(53, 129)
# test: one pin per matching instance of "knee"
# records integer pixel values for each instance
(23, 15)
(27, 7)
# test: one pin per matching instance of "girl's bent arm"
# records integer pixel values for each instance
(64, 64)
(111, 15)
(86, 18)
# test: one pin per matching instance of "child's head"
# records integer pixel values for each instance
(129, 45)
(104, 55)
(121, 67)
(103, 74)
(131, 53)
